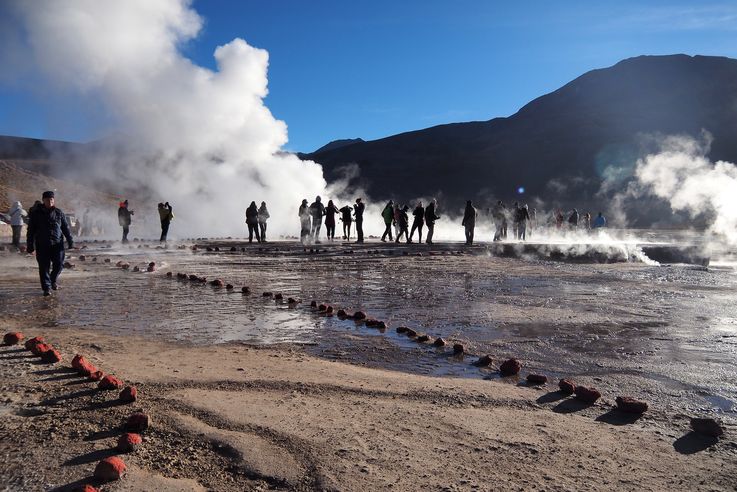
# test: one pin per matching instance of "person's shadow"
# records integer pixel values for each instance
(693, 442)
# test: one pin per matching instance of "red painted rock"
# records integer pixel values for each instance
(439, 342)
(77, 362)
(411, 333)
(193, 277)
(329, 310)
(129, 394)
(31, 344)
(13, 338)
(110, 383)
(292, 300)
(322, 308)
(96, 375)
(510, 367)
(151, 268)
(125, 266)
(630, 405)
(587, 395)
(484, 361)
(110, 469)
(119, 263)
(537, 378)
(107, 260)
(138, 422)
(169, 274)
(342, 314)
(82, 257)
(370, 322)
(51, 356)
(313, 304)
(359, 315)
(217, 283)
(400, 329)
(232, 248)
(267, 294)
(278, 297)
(129, 442)
(458, 348)
(567, 386)
(707, 426)
(202, 280)
(68, 264)
(85, 488)
(229, 287)
(136, 269)
(245, 290)
(422, 339)
(41, 348)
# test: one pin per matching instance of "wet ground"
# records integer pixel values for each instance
(664, 333)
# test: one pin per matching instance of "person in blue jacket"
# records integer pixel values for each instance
(599, 222)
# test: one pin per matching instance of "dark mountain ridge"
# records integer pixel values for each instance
(559, 146)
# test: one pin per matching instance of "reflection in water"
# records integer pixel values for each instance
(673, 326)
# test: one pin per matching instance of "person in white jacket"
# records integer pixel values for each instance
(16, 221)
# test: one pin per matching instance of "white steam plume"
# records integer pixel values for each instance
(682, 174)
(201, 139)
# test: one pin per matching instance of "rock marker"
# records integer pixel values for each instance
(510, 367)
(567, 386)
(630, 405)
(13, 338)
(110, 469)
(587, 395)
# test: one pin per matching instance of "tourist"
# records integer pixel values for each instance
(403, 223)
(388, 215)
(304, 221)
(124, 219)
(165, 215)
(418, 222)
(47, 229)
(317, 211)
(263, 216)
(599, 222)
(347, 220)
(430, 219)
(252, 222)
(469, 221)
(16, 213)
(524, 217)
(330, 212)
(359, 207)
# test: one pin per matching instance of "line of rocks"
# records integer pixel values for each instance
(111, 468)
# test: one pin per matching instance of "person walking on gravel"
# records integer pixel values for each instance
(47, 229)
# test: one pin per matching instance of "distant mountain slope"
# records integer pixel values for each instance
(558, 146)
(336, 144)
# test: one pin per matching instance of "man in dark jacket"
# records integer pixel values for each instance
(252, 222)
(469, 222)
(430, 219)
(47, 229)
(124, 219)
(418, 222)
(358, 212)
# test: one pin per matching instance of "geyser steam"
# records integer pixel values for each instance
(682, 174)
(201, 139)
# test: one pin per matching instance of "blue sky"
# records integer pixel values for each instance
(369, 69)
